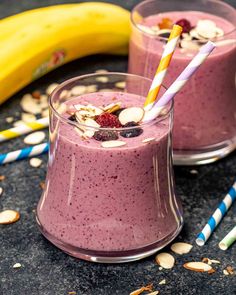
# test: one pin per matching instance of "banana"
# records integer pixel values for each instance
(37, 41)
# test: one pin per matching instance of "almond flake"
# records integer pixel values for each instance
(163, 282)
(78, 90)
(112, 143)
(91, 88)
(18, 123)
(51, 88)
(181, 248)
(132, 114)
(65, 94)
(9, 119)
(102, 79)
(121, 84)
(1, 191)
(225, 272)
(142, 289)
(17, 265)
(26, 117)
(149, 139)
(101, 71)
(215, 261)
(35, 162)
(230, 269)
(42, 184)
(2, 177)
(9, 216)
(30, 105)
(198, 267)
(206, 260)
(35, 138)
(154, 293)
(92, 123)
(165, 260)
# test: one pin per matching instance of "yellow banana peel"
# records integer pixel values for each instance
(35, 42)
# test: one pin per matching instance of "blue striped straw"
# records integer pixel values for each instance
(217, 216)
(24, 153)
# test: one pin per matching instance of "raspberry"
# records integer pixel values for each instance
(185, 24)
(108, 120)
(131, 132)
(104, 135)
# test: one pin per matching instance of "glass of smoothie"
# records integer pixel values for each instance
(109, 193)
(205, 109)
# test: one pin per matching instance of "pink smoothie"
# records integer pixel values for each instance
(109, 199)
(205, 110)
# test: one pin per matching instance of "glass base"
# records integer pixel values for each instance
(204, 156)
(110, 256)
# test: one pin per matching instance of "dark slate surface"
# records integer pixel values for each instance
(48, 271)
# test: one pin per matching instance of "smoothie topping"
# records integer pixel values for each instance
(166, 23)
(105, 135)
(107, 120)
(165, 260)
(185, 24)
(113, 143)
(131, 132)
(132, 114)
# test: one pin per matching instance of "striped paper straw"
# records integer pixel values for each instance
(24, 129)
(217, 216)
(228, 240)
(24, 153)
(180, 81)
(163, 66)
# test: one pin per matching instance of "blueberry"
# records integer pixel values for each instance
(104, 135)
(131, 132)
(72, 118)
(164, 35)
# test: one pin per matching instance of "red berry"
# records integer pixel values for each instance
(108, 120)
(185, 24)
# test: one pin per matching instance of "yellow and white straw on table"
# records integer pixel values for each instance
(163, 66)
(24, 129)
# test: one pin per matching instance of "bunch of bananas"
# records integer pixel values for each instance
(37, 41)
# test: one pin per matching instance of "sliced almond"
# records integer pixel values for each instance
(26, 117)
(198, 267)
(1, 191)
(102, 79)
(91, 88)
(121, 84)
(2, 177)
(35, 162)
(225, 272)
(35, 138)
(149, 139)
(51, 88)
(9, 119)
(43, 102)
(181, 248)
(163, 282)
(165, 260)
(78, 90)
(9, 216)
(65, 94)
(132, 114)
(92, 123)
(142, 289)
(206, 260)
(17, 265)
(112, 143)
(154, 293)
(30, 105)
(215, 261)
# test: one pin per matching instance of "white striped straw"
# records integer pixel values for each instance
(217, 216)
(24, 153)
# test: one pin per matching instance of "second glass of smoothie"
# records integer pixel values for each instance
(109, 194)
(205, 109)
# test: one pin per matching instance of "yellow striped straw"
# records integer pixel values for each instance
(163, 66)
(24, 129)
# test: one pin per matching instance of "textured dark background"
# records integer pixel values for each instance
(48, 271)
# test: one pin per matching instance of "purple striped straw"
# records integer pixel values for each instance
(180, 81)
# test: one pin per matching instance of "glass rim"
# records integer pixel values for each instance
(154, 36)
(77, 124)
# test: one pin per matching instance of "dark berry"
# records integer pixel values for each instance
(131, 132)
(107, 120)
(164, 35)
(185, 24)
(104, 135)
(72, 118)
(116, 113)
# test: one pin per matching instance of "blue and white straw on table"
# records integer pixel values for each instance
(24, 153)
(217, 216)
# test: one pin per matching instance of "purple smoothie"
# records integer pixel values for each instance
(205, 110)
(109, 199)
